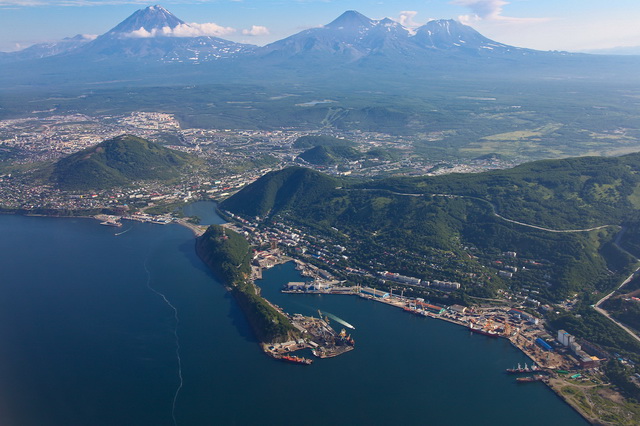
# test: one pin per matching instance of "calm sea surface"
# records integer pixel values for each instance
(104, 326)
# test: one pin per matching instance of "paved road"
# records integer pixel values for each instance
(606, 314)
(541, 228)
(493, 209)
(617, 240)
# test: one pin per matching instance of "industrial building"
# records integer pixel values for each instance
(374, 292)
(458, 309)
(516, 313)
(565, 338)
(544, 345)
(312, 286)
(438, 310)
(400, 278)
(585, 360)
(444, 285)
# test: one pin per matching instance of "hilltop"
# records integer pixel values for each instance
(327, 156)
(117, 162)
(281, 190)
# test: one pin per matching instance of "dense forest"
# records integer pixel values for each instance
(455, 226)
(229, 255)
(118, 162)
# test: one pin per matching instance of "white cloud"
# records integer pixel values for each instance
(184, 30)
(206, 29)
(256, 30)
(490, 10)
(406, 19)
(483, 9)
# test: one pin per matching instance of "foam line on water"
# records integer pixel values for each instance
(338, 320)
(177, 340)
(124, 232)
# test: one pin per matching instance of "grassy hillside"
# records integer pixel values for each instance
(117, 162)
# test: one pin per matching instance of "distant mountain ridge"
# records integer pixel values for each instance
(44, 50)
(354, 36)
(152, 46)
(155, 33)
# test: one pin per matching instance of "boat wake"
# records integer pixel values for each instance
(177, 339)
(338, 320)
(123, 232)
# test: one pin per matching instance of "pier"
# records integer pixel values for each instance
(318, 336)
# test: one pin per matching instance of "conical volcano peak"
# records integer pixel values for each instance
(350, 19)
(151, 18)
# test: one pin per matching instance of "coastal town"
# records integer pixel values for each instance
(572, 367)
(235, 158)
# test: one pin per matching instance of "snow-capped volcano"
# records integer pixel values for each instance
(154, 33)
(353, 36)
(152, 19)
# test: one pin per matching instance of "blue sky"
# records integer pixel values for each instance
(539, 24)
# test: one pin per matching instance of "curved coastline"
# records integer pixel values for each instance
(248, 305)
(228, 256)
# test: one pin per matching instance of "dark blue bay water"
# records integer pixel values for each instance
(85, 339)
(205, 210)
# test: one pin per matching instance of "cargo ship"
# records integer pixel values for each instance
(412, 311)
(536, 378)
(520, 370)
(111, 223)
(489, 333)
(296, 360)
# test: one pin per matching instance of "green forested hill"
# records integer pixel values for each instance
(564, 194)
(446, 227)
(228, 255)
(119, 161)
(328, 156)
(279, 190)
(305, 142)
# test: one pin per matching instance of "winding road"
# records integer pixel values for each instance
(493, 209)
(540, 228)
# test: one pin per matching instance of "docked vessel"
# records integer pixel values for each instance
(536, 378)
(111, 223)
(520, 369)
(296, 360)
(411, 310)
(484, 332)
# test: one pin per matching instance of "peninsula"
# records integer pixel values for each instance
(229, 256)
